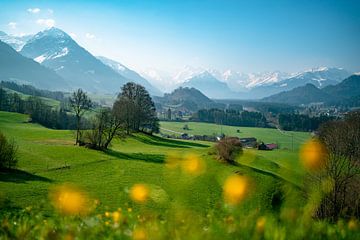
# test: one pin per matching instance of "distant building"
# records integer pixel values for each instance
(269, 146)
(249, 142)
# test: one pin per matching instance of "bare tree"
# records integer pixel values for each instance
(79, 102)
(341, 172)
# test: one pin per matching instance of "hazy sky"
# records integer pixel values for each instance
(248, 36)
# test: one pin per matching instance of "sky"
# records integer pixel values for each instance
(246, 36)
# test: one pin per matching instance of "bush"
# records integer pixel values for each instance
(228, 149)
(7, 153)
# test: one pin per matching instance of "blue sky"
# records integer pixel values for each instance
(248, 36)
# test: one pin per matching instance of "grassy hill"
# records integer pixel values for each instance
(181, 204)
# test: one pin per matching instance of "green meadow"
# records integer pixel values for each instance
(181, 205)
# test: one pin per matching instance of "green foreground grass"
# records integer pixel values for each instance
(180, 206)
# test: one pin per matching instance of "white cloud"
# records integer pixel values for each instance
(73, 35)
(33, 10)
(12, 25)
(46, 22)
(89, 36)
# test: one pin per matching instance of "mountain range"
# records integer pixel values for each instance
(56, 50)
(76, 67)
(332, 94)
(17, 68)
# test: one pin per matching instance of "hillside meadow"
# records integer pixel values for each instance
(148, 187)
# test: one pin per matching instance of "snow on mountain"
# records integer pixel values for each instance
(16, 42)
(55, 49)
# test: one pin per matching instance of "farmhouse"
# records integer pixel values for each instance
(269, 146)
(249, 142)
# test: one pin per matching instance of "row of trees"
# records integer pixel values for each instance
(299, 122)
(39, 111)
(231, 117)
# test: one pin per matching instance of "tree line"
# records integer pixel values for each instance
(299, 122)
(38, 110)
(230, 117)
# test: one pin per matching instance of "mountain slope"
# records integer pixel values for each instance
(16, 42)
(210, 86)
(57, 50)
(17, 68)
(300, 95)
(185, 98)
(319, 77)
(130, 74)
(348, 88)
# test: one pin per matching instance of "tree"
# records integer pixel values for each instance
(7, 153)
(104, 128)
(341, 171)
(228, 149)
(79, 102)
(135, 108)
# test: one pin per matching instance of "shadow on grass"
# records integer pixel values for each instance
(19, 176)
(154, 158)
(159, 141)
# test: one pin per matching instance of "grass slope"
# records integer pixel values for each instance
(48, 157)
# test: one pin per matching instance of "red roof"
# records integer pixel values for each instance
(271, 146)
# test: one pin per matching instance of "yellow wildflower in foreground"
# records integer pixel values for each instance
(260, 224)
(235, 189)
(139, 234)
(193, 165)
(116, 216)
(313, 155)
(139, 193)
(69, 200)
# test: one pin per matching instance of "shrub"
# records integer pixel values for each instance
(228, 149)
(7, 153)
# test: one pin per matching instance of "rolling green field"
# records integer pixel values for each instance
(182, 204)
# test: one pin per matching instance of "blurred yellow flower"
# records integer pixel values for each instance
(139, 234)
(193, 165)
(116, 216)
(260, 224)
(107, 214)
(139, 193)
(313, 155)
(235, 189)
(69, 200)
(352, 224)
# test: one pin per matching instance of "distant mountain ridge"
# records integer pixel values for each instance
(16, 42)
(345, 90)
(55, 49)
(16, 68)
(210, 86)
(186, 98)
(131, 75)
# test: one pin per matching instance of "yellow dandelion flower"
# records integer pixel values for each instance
(139, 234)
(193, 165)
(116, 216)
(69, 200)
(260, 224)
(313, 155)
(235, 189)
(139, 193)
(107, 214)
